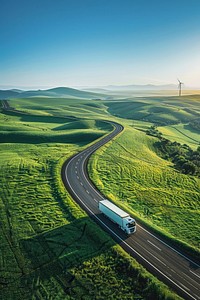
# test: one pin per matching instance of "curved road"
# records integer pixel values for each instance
(169, 265)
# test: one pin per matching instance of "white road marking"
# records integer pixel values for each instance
(184, 286)
(151, 254)
(197, 297)
(157, 258)
(77, 177)
(188, 259)
(97, 192)
(81, 183)
(173, 271)
(195, 274)
(190, 279)
(95, 200)
(154, 245)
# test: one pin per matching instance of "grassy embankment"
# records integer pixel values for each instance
(50, 249)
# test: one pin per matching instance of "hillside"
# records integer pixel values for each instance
(54, 92)
(50, 249)
(141, 87)
(4, 94)
(159, 110)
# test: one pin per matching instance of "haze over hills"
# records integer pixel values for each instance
(146, 90)
(130, 87)
(141, 87)
(107, 92)
(53, 92)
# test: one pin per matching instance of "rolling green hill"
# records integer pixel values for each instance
(54, 92)
(37, 129)
(162, 111)
(49, 246)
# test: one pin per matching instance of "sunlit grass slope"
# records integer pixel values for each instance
(129, 172)
(50, 249)
(60, 106)
(182, 133)
(161, 110)
(34, 129)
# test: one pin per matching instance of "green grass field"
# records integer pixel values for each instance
(158, 110)
(79, 108)
(50, 249)
(182, 133)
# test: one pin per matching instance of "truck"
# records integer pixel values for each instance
(118, 216)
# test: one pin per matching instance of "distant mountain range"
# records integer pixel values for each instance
(105, 93)
(148, 87)
(54, 92)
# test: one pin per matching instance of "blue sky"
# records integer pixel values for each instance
(96, 42)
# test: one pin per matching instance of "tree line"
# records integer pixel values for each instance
(186, 160)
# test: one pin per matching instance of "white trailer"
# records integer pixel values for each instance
(117, 215)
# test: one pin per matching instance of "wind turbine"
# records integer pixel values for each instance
(179, 87)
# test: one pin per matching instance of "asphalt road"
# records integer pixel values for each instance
(179, 272)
